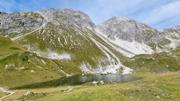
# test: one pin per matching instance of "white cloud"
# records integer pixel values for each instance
(104, 9)
(162, 13)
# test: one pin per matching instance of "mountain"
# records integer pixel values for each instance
(132, 38)
(173, 35)
(62, 42)
(64, 37)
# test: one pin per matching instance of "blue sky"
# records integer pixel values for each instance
(156, 13)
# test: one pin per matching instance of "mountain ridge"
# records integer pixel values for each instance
(70, 39)
(60, 33)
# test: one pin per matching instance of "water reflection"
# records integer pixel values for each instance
(80, 79)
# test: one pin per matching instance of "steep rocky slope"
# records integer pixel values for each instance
(132, 38)
(172, 36)
(14, 24)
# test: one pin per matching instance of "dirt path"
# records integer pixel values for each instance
(8, 92)
(26, 34)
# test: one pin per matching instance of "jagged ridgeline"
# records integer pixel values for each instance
(133, 38)
(57, 42)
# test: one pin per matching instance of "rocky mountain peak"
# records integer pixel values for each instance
(67, 16)
(127, 29)
(25, 21)
(119, 18)
(19, 22)
(172, 33)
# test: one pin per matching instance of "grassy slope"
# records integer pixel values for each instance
(22, 64)
(153, 87)
(2, 94)
(7, 47)
(156, 62)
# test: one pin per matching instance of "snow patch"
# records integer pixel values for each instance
(56, 56)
